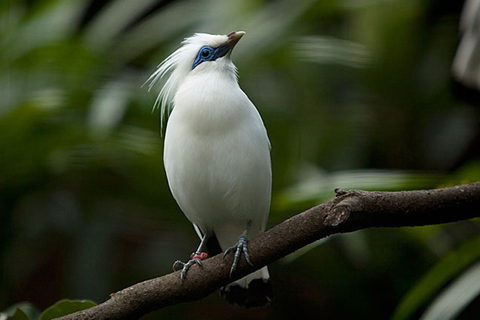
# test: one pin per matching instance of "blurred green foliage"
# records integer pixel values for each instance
(64, 307)
(26, 311)
(354, 94)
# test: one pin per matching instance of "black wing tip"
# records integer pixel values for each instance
(258, 294)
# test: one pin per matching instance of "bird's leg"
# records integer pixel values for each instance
(195, 258)
(240, 246)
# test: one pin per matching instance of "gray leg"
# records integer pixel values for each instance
(195, 258)
(238, 248)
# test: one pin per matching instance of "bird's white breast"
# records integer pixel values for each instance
(216, 155)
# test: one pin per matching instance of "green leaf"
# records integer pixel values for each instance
(316, 185)
(16, 314)
(448, 268)
(20, 311)
(64, 307)
(451, 302)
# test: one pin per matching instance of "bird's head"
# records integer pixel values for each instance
(199, 53)
(212, 48)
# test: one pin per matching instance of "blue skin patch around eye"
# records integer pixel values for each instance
(207, 53)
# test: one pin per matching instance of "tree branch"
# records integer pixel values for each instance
(348, 211)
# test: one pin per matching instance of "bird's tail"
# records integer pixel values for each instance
(253, 290)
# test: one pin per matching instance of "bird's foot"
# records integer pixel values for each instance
(240, 246)
(195, 258)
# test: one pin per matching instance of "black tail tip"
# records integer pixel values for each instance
(258, 294)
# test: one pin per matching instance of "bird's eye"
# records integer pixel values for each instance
(205, 53)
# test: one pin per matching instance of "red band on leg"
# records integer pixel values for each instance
(201, 256)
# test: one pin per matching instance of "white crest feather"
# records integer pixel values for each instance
(178, 64)
(165, 98)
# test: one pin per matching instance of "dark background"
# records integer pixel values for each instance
(354, 94)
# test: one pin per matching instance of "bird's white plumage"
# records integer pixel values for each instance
(216, 152)
(216, 156)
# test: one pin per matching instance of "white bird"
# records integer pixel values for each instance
(216, 156)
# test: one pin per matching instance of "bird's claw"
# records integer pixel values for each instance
(240, 246)
(195, 258)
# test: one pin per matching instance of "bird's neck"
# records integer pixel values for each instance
(210, 102)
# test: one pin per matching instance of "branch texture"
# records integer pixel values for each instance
(348, 211)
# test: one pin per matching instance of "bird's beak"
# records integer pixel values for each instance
(234, 37)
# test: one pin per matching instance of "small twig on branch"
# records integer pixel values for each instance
(348, 211)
